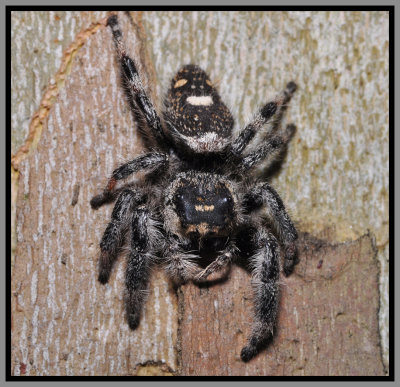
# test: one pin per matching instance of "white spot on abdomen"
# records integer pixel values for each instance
(200, 101)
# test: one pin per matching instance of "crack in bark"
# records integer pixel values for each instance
(51, 94)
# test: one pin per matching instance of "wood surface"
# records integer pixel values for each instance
(327, 324)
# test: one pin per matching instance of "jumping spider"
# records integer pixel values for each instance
(199, 196)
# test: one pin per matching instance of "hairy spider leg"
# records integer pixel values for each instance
(264, 195)
(222, 261)
(271, 149)
(148, 162)
(265, 265)
(180, 264)
(113, 236)
(287, 95)
(261, 118)
(135, 86)
(143, 238)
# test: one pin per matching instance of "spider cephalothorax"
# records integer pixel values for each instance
(198, 197)
(201, 205)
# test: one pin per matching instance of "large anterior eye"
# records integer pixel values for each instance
(225, 203)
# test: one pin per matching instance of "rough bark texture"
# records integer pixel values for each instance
(65, 323)
(327, 323)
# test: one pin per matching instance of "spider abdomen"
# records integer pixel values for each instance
(195, 112)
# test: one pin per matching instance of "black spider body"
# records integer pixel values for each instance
(199, 198)
(203, 204)
(194, 113)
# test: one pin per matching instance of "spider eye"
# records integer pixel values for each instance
(227, 199)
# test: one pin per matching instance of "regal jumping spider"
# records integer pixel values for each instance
(199, 197)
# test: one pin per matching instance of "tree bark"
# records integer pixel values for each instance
(64, 322)
(327, 324)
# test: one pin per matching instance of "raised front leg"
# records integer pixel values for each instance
(135, 86)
